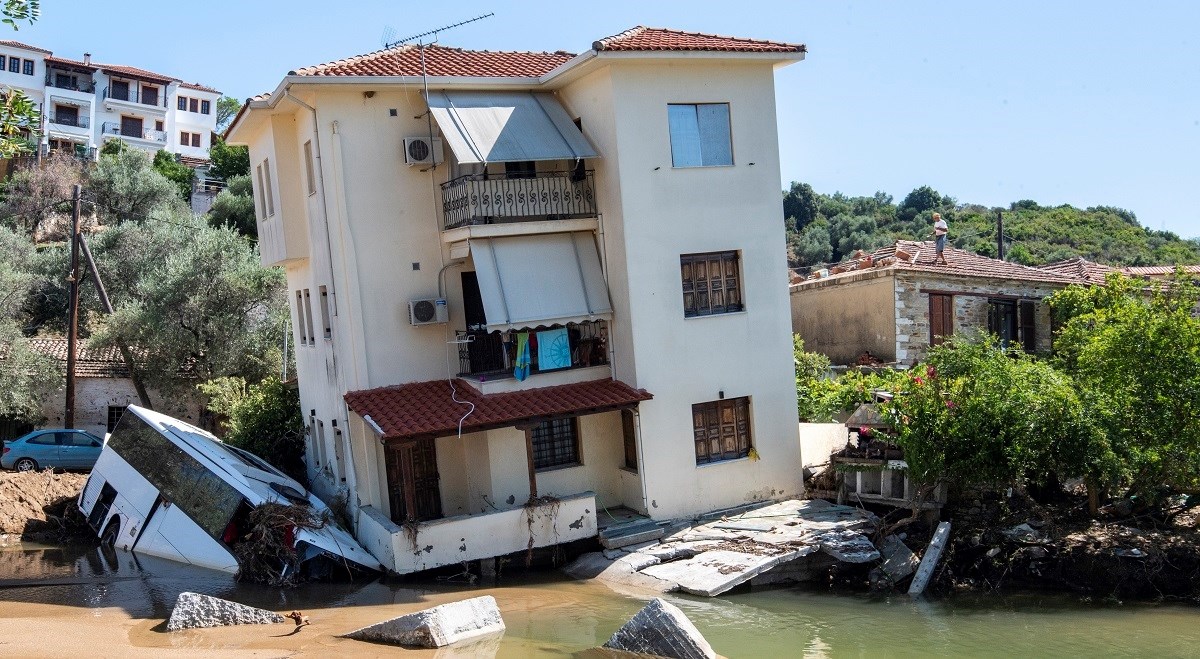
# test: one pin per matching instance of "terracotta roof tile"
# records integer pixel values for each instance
(1081, 269)
(198, 87)
(1158, 270)
(18, 44)
(71, 62)
(405, 60)
(426, 409)
(89, 363)
(134, 72)
(960, 262)
(192, 161)
(643, 38)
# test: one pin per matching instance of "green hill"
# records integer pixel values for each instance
(828, 228)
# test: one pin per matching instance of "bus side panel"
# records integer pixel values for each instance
(135, 495)
(187, 541)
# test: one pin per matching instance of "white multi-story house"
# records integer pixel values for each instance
(84, 103)
(530, 289)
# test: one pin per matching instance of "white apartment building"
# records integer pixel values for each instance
(532, 289)
(84, 103)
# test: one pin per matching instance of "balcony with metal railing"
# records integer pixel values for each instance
(484, 355)
(137, 98)
(70, 81)
(114, 128)
(519, 197)
(71, 120)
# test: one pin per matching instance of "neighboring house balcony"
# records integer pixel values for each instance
(70, 81)
(145, 101)
(146, 136)
(71, 122)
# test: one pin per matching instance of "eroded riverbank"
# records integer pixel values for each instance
(56, 602)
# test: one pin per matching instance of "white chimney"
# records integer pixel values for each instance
(87, 58)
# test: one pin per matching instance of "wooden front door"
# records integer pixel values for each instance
(131, 127)
(941, 318)
(413, 482)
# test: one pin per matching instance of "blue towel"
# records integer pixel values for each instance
(554, 350)
(521, 371)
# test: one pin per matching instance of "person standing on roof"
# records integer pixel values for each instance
(940, 229)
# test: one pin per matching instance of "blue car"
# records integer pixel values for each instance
(52, 448)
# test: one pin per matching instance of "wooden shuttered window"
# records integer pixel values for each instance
(721, 429)
(1028, 320)
(711, 283)
(941, 317)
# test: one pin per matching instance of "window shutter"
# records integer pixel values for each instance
(1028, 321)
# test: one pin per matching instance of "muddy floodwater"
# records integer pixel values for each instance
(77, 602)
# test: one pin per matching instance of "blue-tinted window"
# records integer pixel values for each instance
(700, 134)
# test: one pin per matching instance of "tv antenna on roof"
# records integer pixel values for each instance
(435, 31)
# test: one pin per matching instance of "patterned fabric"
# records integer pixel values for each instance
(554, 349)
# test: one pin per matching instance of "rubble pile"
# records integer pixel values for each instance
(782, 542)
(39, 505)
(266, 550)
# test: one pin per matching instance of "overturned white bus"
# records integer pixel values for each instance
(169, 489)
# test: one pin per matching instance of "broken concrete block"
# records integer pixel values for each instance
(193, 610)
(929, 561)
(848, 546)
(594, 565)
(715, 572)
(898, 559)
(617, 538)
(442, 625)
(662, 630)
(638, 561)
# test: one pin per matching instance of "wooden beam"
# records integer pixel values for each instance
(532, 471)
(410, 486)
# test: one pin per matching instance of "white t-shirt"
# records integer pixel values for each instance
(940, 227)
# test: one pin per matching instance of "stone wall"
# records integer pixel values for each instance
(970, 308)
(93, 397)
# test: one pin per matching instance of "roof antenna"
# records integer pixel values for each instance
(434, 32)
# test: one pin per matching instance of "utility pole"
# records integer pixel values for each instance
(126, 353)
(73, 309)
(1000, 234)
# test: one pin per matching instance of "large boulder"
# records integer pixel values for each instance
(661, 629)
(194, 610)
(442, 625)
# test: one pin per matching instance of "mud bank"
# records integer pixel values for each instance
(40, 506)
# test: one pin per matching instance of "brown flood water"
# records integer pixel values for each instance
(74, 602)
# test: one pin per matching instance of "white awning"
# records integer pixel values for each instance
(527, 281)
(483, 127)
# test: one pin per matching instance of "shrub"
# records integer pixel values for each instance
(263, 418)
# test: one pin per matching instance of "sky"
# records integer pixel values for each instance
(1060, 102)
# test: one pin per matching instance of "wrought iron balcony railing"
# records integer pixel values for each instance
(78, 121)
(135, 95)
(72, 83)
(114, 128)
(493, 354)
(493, 198)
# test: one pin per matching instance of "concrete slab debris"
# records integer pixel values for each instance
(619, 574)
(746, 525)
(718, 571)
(194, 610)
(848, 546)
(660, 629)
(898, 559)
(929, 561)
(635, 536)
(456, 622)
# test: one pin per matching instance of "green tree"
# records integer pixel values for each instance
(263, 418)
(35, 197)
(234, 207)
(800, 206)
(1136, 355)
(193, 298)
(228, 160)
(124, 187)
(978, 414)
(919, 201)
(176, 172)
(227, 109)
(811, 246)
(19, 116)
(25, 377)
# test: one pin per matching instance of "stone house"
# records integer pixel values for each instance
(896, 302)
(532, 292)
(103, 390)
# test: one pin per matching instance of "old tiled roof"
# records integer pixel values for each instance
(71, 62)
(89, 363)
(1158, 270)
(427, 409)
(18, 44)
(134, 72)
(964, 263)
(652, 38)
(198, 87)
(192, 161)
(1081, 269)
(405, 60)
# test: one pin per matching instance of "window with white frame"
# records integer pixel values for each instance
(700, 134)
(308, 168)
(308, 318)
(325, 322)
(267, 191)
(301, 330)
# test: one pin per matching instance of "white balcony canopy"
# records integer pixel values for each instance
(532, 280)
(484, 127)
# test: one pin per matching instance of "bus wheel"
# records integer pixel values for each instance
(109, 537)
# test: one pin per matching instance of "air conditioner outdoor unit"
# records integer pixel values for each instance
(422, 151)
(428, 312)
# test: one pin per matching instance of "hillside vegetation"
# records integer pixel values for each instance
(825, 228)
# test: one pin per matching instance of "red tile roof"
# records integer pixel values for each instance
(427, 409)
(192, 161)
(1081, 269)
(18, 44)
(198, 87)
(652, 38)
(921, 258)
(89, 363)
(134, 72)
(1158, 270)
(71, 62)
(405, 60)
